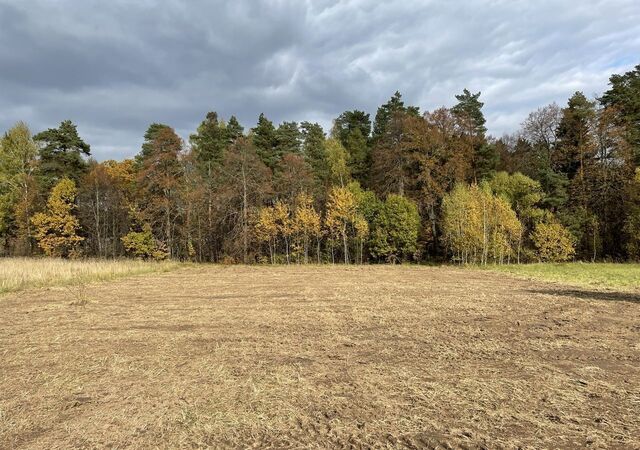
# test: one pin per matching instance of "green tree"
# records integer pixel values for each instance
(487, 160)
(265, 140)
(288, 138)
(56, 230)
(348, 122)
(61, 154)
(18, 192)
(313, 149)
(623, 97)
(337, 162)
(234, 130)
(210, 141)
(469, 107)
(394, 230)
(575, 146)
(469, 113)
(523, 193)
(149, 137)
(358, 151)
(386, 113)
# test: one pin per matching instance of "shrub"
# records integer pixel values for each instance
(553, 242)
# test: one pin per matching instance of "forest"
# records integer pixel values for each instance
(401, 186)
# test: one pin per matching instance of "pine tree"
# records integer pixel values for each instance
(265, 140)
(288, 139)
(623, 97)
(313, 149)
(387, 112)
(470, 107)
(209, 142)
(234, 130)
(61, 154)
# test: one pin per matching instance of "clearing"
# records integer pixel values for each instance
(319, 356)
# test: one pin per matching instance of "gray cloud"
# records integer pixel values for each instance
(114, 67)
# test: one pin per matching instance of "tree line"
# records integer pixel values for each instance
(405, 186)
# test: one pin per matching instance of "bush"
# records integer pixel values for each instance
(553, 242)
(142, 244)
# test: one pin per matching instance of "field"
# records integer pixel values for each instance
(320, 357)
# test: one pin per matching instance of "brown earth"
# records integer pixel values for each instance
(320, 357)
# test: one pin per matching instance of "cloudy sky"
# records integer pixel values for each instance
(114, 67)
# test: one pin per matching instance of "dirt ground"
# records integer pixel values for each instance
(320, 357)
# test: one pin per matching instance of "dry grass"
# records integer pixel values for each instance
(320, 357)
(23, 273)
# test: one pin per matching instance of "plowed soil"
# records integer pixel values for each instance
(320, 357)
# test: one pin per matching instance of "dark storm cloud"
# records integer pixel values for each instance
(114, 67)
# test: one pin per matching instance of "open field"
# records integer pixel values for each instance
(593, 275)
(320, 357)
(22, 273)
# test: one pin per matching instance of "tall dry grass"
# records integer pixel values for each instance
(24, 273)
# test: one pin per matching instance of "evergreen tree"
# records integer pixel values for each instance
(234, 130)
(265, 140)
(288, 139)
(575, 146)
(388, 111)
(210, 141)
(313, 149)
(348, 122)
(61, 154)
(624, 98)
(149, 137)
(469, 107)
(469, 113)
(359, 158)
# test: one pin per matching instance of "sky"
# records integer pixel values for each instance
(115, 67)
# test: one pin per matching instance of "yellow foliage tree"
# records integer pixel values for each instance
(282, 216)
(56, 230)
(306, 224)
(553, 242)
(266, 230)
(479, 226)
(462, 223)
(343, 220)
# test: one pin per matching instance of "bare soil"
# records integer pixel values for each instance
(320, 357)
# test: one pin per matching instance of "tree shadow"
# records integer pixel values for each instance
(633, 297)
